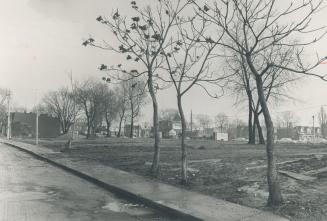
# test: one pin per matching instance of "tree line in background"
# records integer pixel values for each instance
(95, 102)
(62, 104)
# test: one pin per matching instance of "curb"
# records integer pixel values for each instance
(114, 189)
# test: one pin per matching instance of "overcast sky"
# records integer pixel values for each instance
(40, 43)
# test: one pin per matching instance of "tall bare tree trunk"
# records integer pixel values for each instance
(184, 178)
(65, 125)
(254, 133)
(120, 124)
(250, 127)
(88, 129)
(62, 126)
(156, 156)
(275, 196)
(108, 130)
(132, 121)
(131, 132)
(93, 127)
(108, 125)
(260, 133)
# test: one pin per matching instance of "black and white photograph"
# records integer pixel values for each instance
(163, 110)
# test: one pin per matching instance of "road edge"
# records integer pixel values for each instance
(111, 188)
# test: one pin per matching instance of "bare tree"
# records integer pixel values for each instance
(170, 114)
(322, 117)
(204, 120)
(275, 87)
(221, 121)
(61, 105)
(141, 39)
(259, 34)
(111, 109)
(288, 119)
(237, 122)
(188, 63)
(90, 97)
(136, 99)
(122, 105)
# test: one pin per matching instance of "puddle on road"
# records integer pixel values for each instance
(129, 208)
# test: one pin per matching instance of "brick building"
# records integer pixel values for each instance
(24, 125)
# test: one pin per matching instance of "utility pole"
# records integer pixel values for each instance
(37, 122)
(191, 123)
(9, 118)
(37, 127)
(313, 127)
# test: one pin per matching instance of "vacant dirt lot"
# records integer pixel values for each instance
(231, 171)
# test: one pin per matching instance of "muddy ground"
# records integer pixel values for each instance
(232, 171)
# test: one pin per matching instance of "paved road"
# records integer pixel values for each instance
(32, 190)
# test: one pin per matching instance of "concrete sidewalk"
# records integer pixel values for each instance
(170, 199)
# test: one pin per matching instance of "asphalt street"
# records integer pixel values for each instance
(32, 190)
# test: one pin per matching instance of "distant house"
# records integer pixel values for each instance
(170, 129)
(24, 125)
(305, 133)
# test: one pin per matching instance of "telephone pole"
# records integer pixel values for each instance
(313, 127)
(191, 121)
(37, 127)
(9, 118)
(37, 122)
